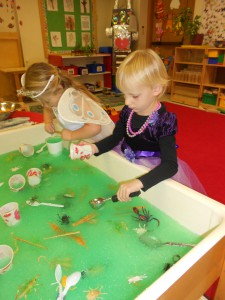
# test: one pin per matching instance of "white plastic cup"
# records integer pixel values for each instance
(26, 149)
(77, 151)
(16, 182)
(6, 258)
(10, 213)
(55, 145)
(34, 176)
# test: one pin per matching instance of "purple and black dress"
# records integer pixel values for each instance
(152, 145)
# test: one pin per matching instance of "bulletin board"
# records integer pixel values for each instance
(67, 25)
(163, 14)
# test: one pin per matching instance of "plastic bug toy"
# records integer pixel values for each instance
(169, 265)
(64, 219)
(25, 289)
(144, 215)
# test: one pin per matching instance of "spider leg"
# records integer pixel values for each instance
(146, 212)
(157, 220)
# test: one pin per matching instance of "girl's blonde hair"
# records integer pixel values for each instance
(38, 75)
(143, 67)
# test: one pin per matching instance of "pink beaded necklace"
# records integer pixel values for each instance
(129, 130)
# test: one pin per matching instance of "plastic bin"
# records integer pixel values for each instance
(221, 58)
(209, 99)
(222, 101)
(95, 68)
(73, 70)
(213, 60)
(105, 49)
(179, 202)
(213, 53)
(82, 70)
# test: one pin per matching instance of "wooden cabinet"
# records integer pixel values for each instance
(199, 76)
(187, 75)
(104, 79)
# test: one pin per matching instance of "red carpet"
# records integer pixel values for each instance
(201, 140)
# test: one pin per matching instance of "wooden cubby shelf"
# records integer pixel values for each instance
(105, 77)
(199, 76)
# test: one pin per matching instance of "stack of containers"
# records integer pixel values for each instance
(210, 95)
(213, 56)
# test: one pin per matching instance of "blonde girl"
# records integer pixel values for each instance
(51, 86)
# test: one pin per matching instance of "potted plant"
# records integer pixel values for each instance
(185, 25)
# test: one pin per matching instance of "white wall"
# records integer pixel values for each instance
(30, 31)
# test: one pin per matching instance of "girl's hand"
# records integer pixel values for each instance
(49, 127)
(127, 188)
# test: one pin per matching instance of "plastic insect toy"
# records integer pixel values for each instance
(25, 289)
(46, 167)
(136, 278)
(169, 265)
(93, 294)
(64, 219)
(144, 216)
(33, 199)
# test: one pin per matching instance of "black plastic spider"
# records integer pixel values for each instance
(64, 219)
(46, 167)
(167, 266)
(144, 216)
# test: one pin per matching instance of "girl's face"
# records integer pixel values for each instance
(141, 99)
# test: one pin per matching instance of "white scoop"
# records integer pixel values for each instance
(41, 149)
(37, 203)
(71, 280)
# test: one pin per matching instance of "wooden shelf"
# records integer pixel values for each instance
(215, 85)
(192, 62)
(189, 63)
(92, 74)
(81, 61)
(186, 82)
(166, 43)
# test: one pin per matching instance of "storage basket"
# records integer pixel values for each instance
(212, 60)
(222, 101)
(213, 53)
(209, 99)
(82, 70)
(73, 70)
(95, 68)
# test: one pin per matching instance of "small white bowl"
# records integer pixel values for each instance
(17, 182)
(6, 258)
(26, 149)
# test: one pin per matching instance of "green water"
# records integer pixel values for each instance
(53, 140)
(112, 253)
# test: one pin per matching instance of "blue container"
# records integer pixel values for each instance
(95, 68)
(212, 60)
(105, 49)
